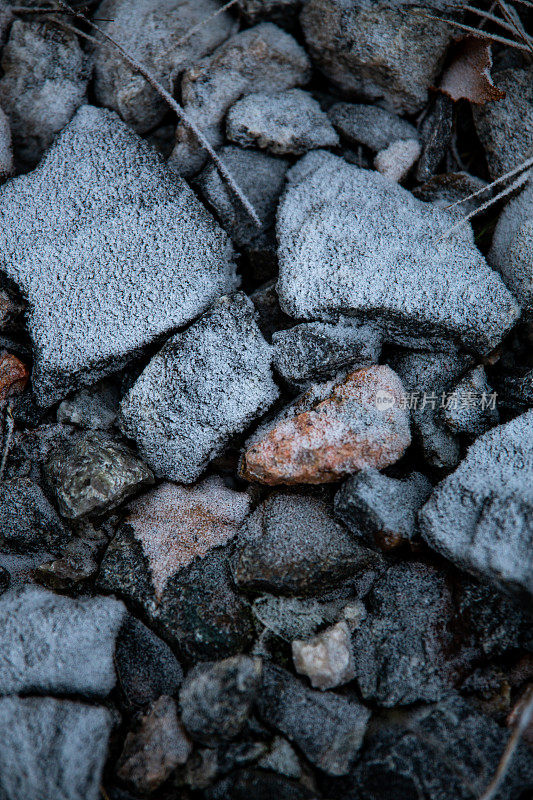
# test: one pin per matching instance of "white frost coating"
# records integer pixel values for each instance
(371, 125)
(353, 243)
(397, 159)
(512, 247)
(50, 643)
(111, 250)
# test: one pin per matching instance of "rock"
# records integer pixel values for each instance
(301, 618)
(286, 123)
(170, 560)
(382, 511)
(7, 164)
(512, 245)
(45, 75)
(157, 34)
(436, 133)
(471, 407)
(94, 475)
(13, 377)
(27, 520)
(353, 243)
(328, 728)
(260, 785)
(280, 11)
(382, 51)
(10, 309)
(153, 751)
(505, 128)
(52, 749)
(146, 666)
(216, 698)
(332, 430)
(208, 764)
(20, 569)
(5, 580)
(514, 388)
(182, 417)
(270, 317)
(327, 659)
(396, 161)
(401, 646)
(93, 409)
(292, 545)
(55, 644)
(450, 187)
(145, 235)
(317, 351)
(261, 59)
(447, 750)
(282, 759)
(262, 178)
(372, 126)
(481, 516)
(79, 563)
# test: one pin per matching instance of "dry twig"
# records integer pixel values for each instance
(8, 438)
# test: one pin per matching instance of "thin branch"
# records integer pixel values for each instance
(526, 716)
(486, 15)
(167, 97)
(474, 31)
(10, 427)
(521, 168)
(203, 22)
(73, 29)
(517, 26)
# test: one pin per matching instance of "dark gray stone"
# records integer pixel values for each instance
(372, 126)
(27, 520)
(436, 134)
(450, 187)
(94, 409)
(270, 317)
(514, 387)
(471, 407)
(261, 785)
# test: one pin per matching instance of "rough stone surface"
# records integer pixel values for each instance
(286, 123)
(13, 377)
(372, 126)
(94, 409)
(259, 784)
(261, 59)
(354, 243)
(317, 351)
(216, 698)
(44, 82)
(512, 247)
(481, 516)
(396, 161)
(54, 644)
(118, 238)
(52, 749)
(333, 430)
(327, 659)
(94, 475)
(154, 33)
(378, 50)
(182, 416)
(436, 132)
(277, 10)
(471, 407)
(448, 188)
(505, 128)
(515, 388)
(7, 164)
(155, 748)
(270, 317)
(27, 520)
(292, 545)
(329, 729)
(382, 511)
(302, 617)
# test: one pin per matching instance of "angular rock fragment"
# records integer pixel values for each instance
(379, 50)
(448, 188)
(353, 243)
(27, 520)
(216, 698)
(327, 659)
(94, 409)
(282, 759)
(471, 407)
(481, 516)
(372, 126)
(44, 82)
(302, 617)
(317, 351)
(94, 475)
(332, 430)
(278, 10)
(436, 134)
(292, 545)
(13, 377)
(205, 386)
(515, 388)
(286, 123)
(52, 749)
(101, 256)
(396, 161)
(153, 751)
(261, 59)
(7, 164)
(329, 729)
(10, 309)
(50, 643)
(382, 511)
(270, 317)
(156, 34)
(512, 246)
(261, 785)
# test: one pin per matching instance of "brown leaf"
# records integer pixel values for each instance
(468, 74)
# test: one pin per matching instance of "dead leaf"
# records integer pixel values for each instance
(468, 74)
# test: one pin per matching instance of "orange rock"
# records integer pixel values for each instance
(333, 430)
(13, 377)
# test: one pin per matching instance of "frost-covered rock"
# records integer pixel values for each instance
(512, 246)
(182, 416)
(27, 520)
(154, 32)
(471, 407)
(102, 251)
(7, 164)
(397, 159)
(353, 243)
(372, 126)
(260, 59)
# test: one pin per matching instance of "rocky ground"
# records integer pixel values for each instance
(266, 487)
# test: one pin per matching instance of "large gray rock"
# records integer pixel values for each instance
(481, 516)
(50, 643)
(181, 415)
(512, 246)
(353, 243)
(102, 251)
(372, 126)
(44, 82)
(379, 50)
(260, 59)
(154, 32)
(52, 749)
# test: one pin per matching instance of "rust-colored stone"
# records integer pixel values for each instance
(13, 377)
(333, 430)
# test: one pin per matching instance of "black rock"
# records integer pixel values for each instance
(260, 785)
(436, 135)
(27, 520)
